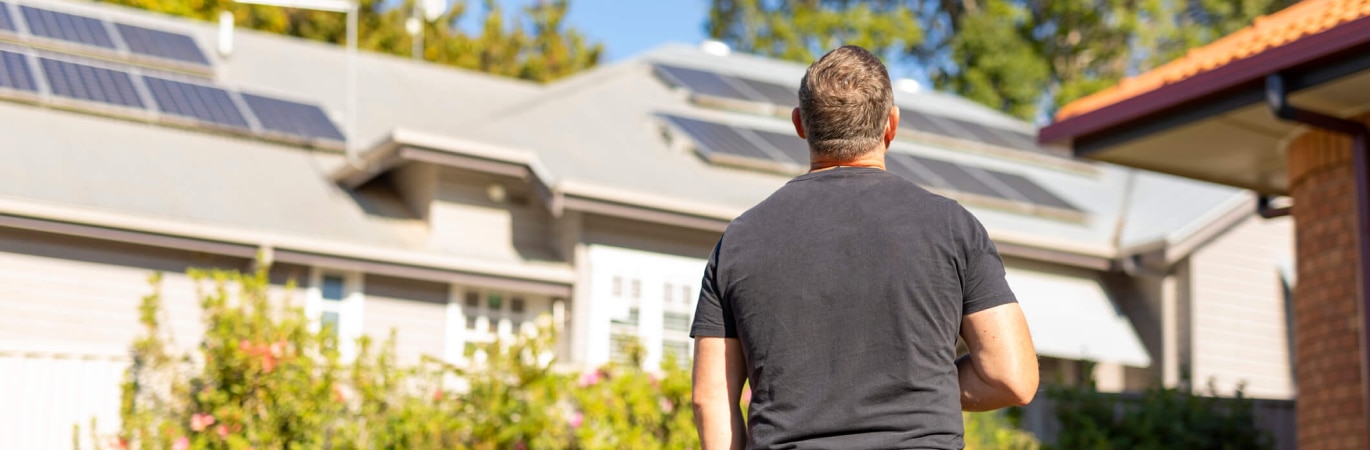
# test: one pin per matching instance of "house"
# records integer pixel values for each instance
(1278, 107)
(474, 204)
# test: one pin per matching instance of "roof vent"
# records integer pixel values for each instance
(908, 85)
(713, 47)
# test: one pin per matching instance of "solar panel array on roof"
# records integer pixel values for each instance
(967, 131)
(716, 85)
(67, 27)
(15, 72)
(161, 44)
(90, 83)
(292, 118)
(204, 103)
(6, 23)
(782, 150)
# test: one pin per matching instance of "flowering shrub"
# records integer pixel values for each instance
(263, 378)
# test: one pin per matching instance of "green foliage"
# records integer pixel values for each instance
(535, 45)
(1163, 418)
(1012, 55)
(996, 431)
(261, 377)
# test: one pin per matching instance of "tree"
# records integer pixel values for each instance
(1023, 57)
(535, 45)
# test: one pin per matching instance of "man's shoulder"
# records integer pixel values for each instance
(892, 191)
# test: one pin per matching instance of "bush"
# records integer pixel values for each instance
(1162, 418)
(261, 378)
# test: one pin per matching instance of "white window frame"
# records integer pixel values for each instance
(350, 310)
(504, 320)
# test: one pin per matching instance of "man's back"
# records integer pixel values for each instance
(846, 289)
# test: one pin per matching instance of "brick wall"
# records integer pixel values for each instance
(1326, 306)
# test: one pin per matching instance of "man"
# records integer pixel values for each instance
(840, 297)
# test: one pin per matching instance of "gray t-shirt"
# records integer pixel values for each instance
(846, 288)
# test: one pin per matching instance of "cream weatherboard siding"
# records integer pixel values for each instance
(68, 313)
(1237, 321)
(415, 310)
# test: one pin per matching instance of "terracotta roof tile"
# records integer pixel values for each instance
(1288, 25)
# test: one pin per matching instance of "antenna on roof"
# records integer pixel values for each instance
(713, 47)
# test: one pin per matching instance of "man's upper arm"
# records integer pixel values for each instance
(1001, 348)
(713, 316)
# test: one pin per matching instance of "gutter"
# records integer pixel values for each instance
(1277, 96)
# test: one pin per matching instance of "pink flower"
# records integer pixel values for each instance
(590, 378)
(576, 420)
(666, 405)
(182, 443)
(223, 431)
(278, 348)
(520, 446)
(747, 396)
(200, 421)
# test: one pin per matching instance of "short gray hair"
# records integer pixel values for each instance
(844, 102)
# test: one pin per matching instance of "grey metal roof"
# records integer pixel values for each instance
(600, 128)
(604, 127)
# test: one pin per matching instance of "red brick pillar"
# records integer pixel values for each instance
(1327, 317)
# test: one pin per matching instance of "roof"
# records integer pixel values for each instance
(579, 129)
(595, 135)
(1281, 28)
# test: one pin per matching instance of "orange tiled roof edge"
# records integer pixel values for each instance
(1288, 25)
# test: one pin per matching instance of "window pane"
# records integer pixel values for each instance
(637, 289)
(470, 322)
(332, 288)
(666, 293)
(685, 295)
(472, 299)
(618, 287)
(675, 321)
(516, 304)
(676, 349)
(494, 302)
(329, 321)
(491, 325)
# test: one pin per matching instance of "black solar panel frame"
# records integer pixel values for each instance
(208, 104)
(16, 73)
(701, 82)
(291, 118)
(162, 44)
(772, 93)
(717, 138)
(6, 19)
(67, 27)
(792, 146)
(1033, 192)
(89, 83)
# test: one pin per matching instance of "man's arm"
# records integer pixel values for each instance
(719, 371)
(1001, 369)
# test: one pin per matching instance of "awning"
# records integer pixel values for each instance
(1072, 317)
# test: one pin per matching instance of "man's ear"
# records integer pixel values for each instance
(798, 123)
(891, 125)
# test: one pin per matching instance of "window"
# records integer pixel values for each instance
(332, 292)
(618, 287)
(680, 350)
(675, 321)
(472, 299)
(666, 293)
(637, 289)
(685, 295)
(516, 305)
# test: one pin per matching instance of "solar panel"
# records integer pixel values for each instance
(981, 133)
(775, 94)
(204, 103)
(905, 166)
(701, 82)
(794, 148)
(15, 72)
(67, 27)
(6, 23)
(161, 44)
(82, 82)
(957, 178)
(1034, 192)
(298, 119)
(918, 121)
(719, 138)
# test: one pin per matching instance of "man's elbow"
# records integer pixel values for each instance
(1023, 388)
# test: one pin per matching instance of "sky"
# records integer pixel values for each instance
(626, 27)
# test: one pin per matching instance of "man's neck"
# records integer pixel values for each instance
(873, 159)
